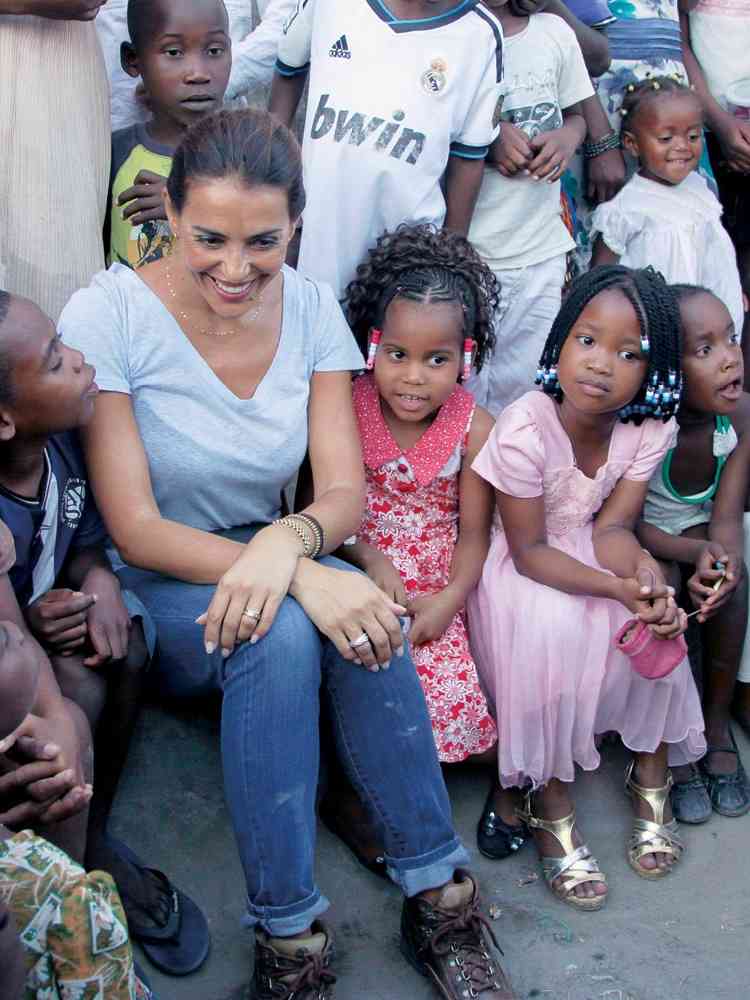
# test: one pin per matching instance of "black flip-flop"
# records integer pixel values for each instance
(181, 945)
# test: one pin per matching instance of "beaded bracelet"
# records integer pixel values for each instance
(609, 141)
(311, 542)
(317, 528)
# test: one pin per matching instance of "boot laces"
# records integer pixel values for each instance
(460, 938)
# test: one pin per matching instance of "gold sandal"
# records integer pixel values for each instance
(652, 836)
(575, 868)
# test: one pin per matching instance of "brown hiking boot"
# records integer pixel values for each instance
(447, 941)
(294, 968)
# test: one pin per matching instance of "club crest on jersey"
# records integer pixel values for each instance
(435, 79)
(73, 502)
(356, 129)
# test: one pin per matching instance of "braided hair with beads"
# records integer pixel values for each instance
(658, 315)
(650, 88)
(425, 264)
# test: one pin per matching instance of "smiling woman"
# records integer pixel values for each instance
(219, 368)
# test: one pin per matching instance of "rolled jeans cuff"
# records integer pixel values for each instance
(284, 921)
(429, 871)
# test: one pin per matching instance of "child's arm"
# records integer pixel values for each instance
(733, 134)
(602, 254)
(378, 567)
(637, 582)
(434, 613)
(594, 44)
(605, 173)
(292, 63)
(463, 178)
(108, 623)
(253, 58)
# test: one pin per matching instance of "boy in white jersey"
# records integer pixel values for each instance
(518, 226)
(403, 93)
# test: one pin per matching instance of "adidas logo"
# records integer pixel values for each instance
(340, 49)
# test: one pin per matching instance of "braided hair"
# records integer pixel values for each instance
(650, 88)
(658, 315)
(424, 264)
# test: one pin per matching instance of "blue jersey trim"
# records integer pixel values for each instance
(421, 23)
(468, 152)
(283, 70)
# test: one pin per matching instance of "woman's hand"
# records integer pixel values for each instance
(702, 582)
(250, 593)
(432, 615)
(346, 607)
(605, 175)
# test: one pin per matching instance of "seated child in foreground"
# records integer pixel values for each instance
(693, 520)
(98, 639)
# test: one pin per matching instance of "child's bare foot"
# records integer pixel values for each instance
(550, 804)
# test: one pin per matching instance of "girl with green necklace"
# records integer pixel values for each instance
(693, 521)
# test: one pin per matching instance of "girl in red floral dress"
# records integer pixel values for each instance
(422, 307)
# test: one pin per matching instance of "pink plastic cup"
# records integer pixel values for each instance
(650, 656)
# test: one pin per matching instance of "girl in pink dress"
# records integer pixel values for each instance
(422, 307)
(571, 466)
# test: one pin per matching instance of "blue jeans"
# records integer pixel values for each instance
(270, 748)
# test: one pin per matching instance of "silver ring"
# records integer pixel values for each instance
(251, 613)
(361, 640)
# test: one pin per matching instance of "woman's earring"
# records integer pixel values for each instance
(372, 350)
(469, 348)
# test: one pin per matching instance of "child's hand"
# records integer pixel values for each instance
(382, 572)
(554, 151)
(647, 596)
(702, 582)
(605, 175)
(38, 783)
(145, 199)
(108, 619)
(431, 617)
(58, 620)
(511, 152)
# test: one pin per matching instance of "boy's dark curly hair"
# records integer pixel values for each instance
(424, 264)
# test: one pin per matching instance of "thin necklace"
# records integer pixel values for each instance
(249, 316)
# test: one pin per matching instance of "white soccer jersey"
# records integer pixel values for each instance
(390, 100)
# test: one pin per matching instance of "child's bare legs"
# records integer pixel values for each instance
(110, 698)
(550, 803)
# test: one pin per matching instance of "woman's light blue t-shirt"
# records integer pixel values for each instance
(216, 461)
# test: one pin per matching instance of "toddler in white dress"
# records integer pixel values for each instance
(666, 215)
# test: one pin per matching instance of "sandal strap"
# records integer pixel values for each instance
(655, 838)
(655, 798)
(580, 860)
(560, 829)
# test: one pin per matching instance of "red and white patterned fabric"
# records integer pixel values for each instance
(412, 517)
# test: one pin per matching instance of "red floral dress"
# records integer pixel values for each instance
(412, 517)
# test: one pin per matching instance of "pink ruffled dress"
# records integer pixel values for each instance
(545, 657)
(412, 517)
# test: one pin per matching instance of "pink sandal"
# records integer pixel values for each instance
(650, 656)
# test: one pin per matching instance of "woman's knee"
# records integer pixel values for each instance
(292, 646)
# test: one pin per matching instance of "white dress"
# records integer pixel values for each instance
(676, 228)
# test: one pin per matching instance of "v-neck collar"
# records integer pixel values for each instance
(428, 455)
(402, 25)
(205, 369)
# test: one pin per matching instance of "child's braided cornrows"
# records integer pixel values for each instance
(424, 264)
(636, 94)
(659, 319)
